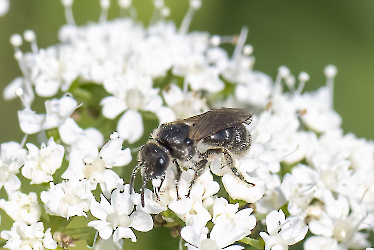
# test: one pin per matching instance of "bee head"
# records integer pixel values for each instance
(155, 161)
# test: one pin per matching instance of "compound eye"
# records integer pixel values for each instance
(160, 163)
(188, 142)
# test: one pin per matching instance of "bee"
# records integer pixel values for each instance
(189, 144)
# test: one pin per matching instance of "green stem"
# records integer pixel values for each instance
(255, 243)
(79, 230)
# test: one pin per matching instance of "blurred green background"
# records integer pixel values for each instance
(304, 35)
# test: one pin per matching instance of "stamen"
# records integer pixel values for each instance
(215, 40)
(114, 135)
(16, 41)
(159, 4)
(303, 77)
(247, 50)
(283, 72)
(290, 82)
(30, 37)
(330, 72)
(19, 56)
(125, 4)
(68, 11)
(165, 11)
(185, 87)
(105, 4)
(19, 93)
(24, 139)
(240, 43)
(194, 5)
(126, 9)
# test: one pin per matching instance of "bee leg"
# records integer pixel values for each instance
(228, 161)
(157, 190)
(142, 192)
(136, 169)
(200, 167)
(177, 178)
(210, 152)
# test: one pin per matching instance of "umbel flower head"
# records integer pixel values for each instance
(300, 173)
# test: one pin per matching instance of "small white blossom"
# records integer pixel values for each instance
(108, 244)
(12, 157)
(68, 198)
(221, 237)
(319, 116)
(282, 232)
(242, 221)
(57, 111)
(116, 217)
(42, 164)
(70, 133)
(22, 207)
(86, 162)
(22, 236)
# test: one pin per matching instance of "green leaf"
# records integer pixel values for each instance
(260, 216)
(284, 208)
(55, 134)
(91, 239)
(58, 223)
(260, 244)
(241, 203)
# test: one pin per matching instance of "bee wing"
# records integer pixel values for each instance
(215, 120)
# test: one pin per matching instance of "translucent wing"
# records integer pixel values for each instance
(215, 120)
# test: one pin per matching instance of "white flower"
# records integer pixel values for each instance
(22, 236)
(117, 217)
(241, 190)
(57, 111)
(254, 88)
(297, 196)
(70, 133)
(131, 92)
(12, 157)
(22, 207)
(53, 69)
(221, 237)
(319, 116)
(130, 126)
(30, 122)
(241, 221)
(184, 104)
(68, 198)
(282, 232)
(10, 90)
(151, 57)
(339, 223)
(108, 244)
(86, 162)
(42, 164)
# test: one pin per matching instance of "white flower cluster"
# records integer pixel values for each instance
(307, 174)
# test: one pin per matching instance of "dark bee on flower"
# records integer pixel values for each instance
(188, 144)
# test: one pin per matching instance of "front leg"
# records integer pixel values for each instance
(199, 169)
(157, 190)
(177, 178)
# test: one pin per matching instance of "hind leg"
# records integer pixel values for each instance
(227, 160)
